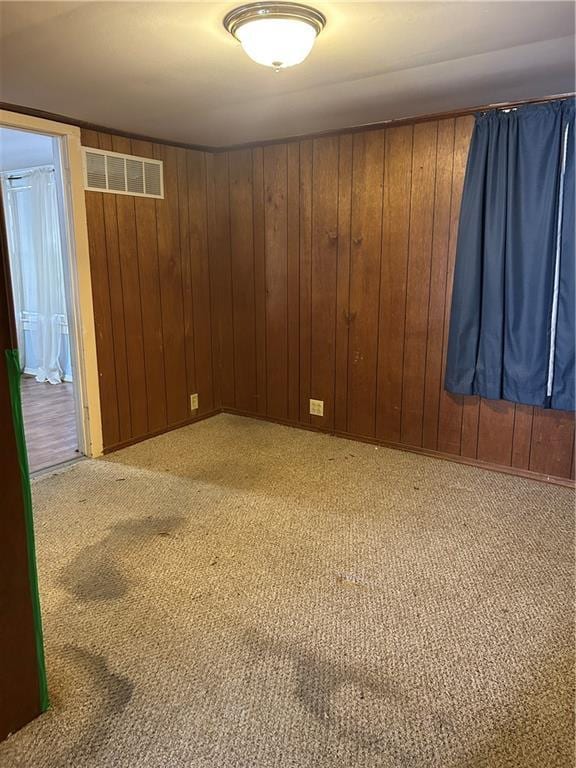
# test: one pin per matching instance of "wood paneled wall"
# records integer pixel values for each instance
(151, 287)
(334, 259)
(319, 268)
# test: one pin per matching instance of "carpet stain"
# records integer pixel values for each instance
(95, 573)
(318, 680)
(110, 695)
(355, 703)
(115, 690)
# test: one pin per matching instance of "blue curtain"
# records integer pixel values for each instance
(512, 326)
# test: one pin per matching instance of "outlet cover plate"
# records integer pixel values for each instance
(317, 407)
(193, 402)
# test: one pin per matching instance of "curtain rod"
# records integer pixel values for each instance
(26, 173)
(504, 106)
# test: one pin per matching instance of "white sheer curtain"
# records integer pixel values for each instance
(37, 272)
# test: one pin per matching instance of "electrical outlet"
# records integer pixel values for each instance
(193, 402)
(317, 407)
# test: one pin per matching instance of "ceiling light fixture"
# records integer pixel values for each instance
(277, 35)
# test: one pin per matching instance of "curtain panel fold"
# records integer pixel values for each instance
(37, 272)
(512, 325)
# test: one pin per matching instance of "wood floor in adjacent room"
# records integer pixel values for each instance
(49, 422)
(238, 594)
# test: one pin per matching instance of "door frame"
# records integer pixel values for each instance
(87, 390)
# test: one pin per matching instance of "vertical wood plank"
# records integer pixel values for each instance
(552, 442)
(395, 238)
(117, 305)
(223, 275)
(306, 171)
(469, 429)
(441, 233)
(276, 243)
(135, 353)
(418, 281)
(293, 277)
(365, 279)
(214, 275)
(323, 275)
(200, 279)
(495, 432)
(152, 332)
(186, 268)
(102, 309)
(259, 277)
(242, 258)
(523, 418)
(170, 270)
(343, 284)
(450, 411)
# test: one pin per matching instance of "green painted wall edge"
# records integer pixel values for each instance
(14, 374)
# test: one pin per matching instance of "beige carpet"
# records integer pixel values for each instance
(243, 595)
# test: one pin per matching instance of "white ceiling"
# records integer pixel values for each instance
(24, 149)
(171, 71)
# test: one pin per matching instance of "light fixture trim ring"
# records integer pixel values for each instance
(268, 10)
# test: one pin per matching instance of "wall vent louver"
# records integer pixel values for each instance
(122, 174)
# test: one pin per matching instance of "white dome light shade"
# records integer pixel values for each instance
(277, 43)
(277, 35)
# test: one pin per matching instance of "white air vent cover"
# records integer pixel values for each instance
(122, 174)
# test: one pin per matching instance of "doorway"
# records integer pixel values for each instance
(37, 229)
(19, 553)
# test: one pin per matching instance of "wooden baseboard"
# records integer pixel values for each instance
(178, 425)
(275, 420)
(515, 471)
